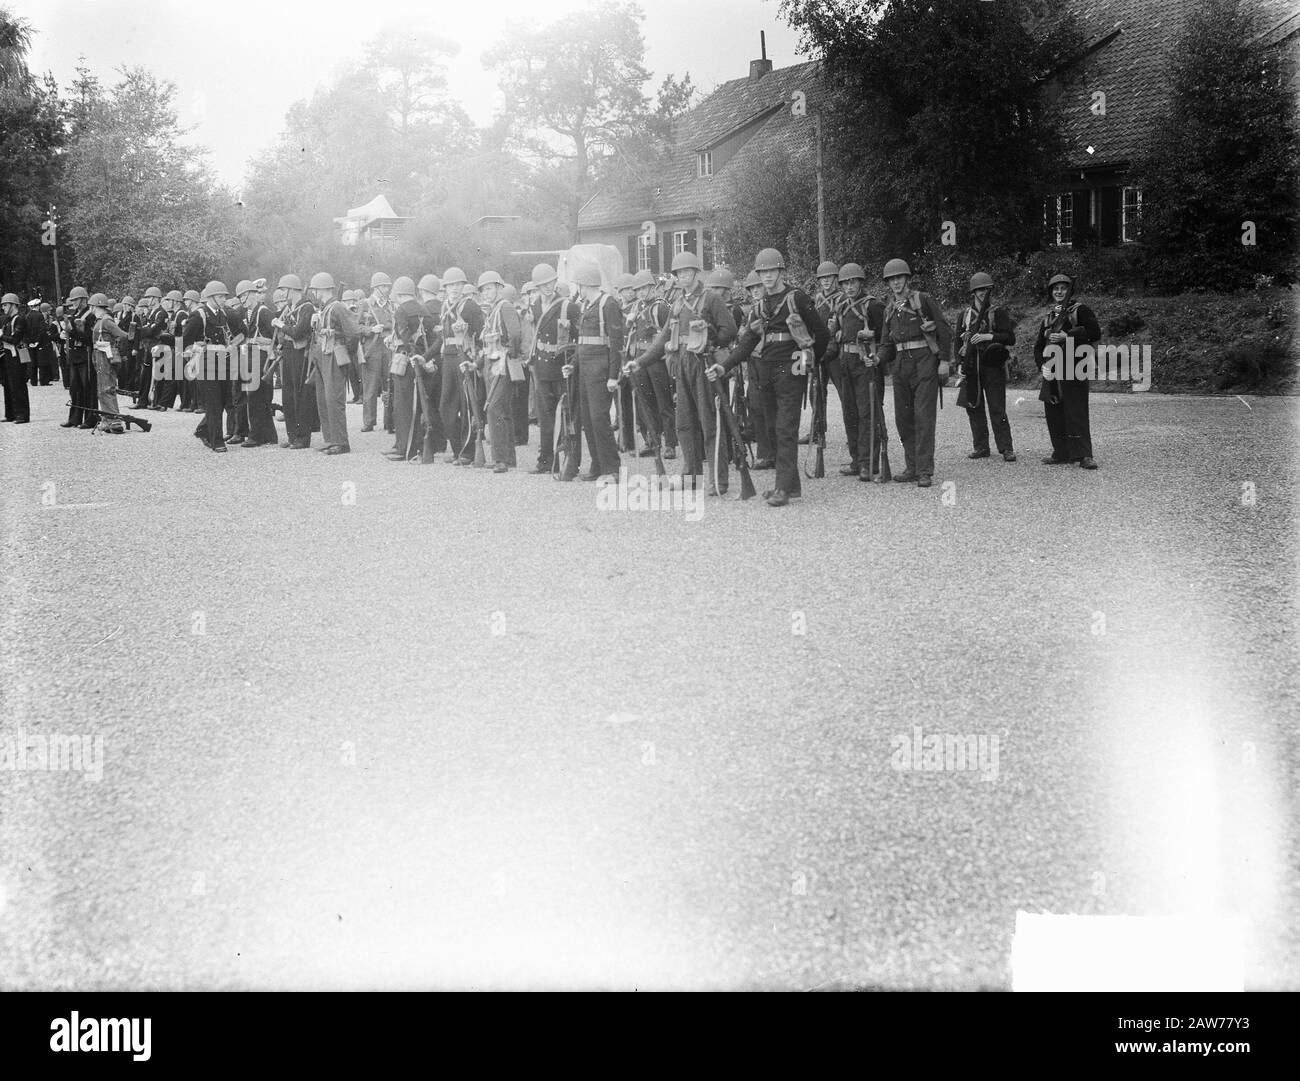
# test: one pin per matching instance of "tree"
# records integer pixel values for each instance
(1225, 153)
(772, 207)
(934, 113)
(580, 81)
(142, 208)
(31, 133)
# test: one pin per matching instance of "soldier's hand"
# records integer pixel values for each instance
(1056, 337)
(631, 368)
(714, 372)
(566, 370)
(980, 339)
(611, 385)
(466, 366)
(928, 325)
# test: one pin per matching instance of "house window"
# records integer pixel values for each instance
(719, 252)
(704, 160)
(1131, 215)
(1058, 219)
(679, 242)
(643, 246)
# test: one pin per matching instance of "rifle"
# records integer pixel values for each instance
(1062, 317)
(469, 386)
(125, 418)
(817, 433)
(566, 432)
(964, 397)
(738, 449)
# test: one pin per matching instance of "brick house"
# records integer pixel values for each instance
(734, 129)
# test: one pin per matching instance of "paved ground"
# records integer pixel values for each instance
(471, 729)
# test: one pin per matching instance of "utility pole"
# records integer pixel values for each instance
(821, 191)
(50, 238)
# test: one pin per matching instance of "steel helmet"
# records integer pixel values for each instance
(153, 291)
(510, 292)
(10, 298)
(543, 273)
(429, 284)
(78, 293)
(454, 275)
(769, 259)
(214, 289)
(290, 281)
(99, 301)
(192, 294)
(720, 278)
(751, 279)
(851, 271)
(624, 281)
(642, 279)
(895, 267)
(586, 274)
(128, 301)
(379, 278)
(489, 277)
(1060, 279)
(174, 294)
(827, 270)
(322, 280)
(244, 286)
(686, 260)
(404, 287)
(980, 281)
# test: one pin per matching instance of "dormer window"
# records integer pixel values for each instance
(704, 162)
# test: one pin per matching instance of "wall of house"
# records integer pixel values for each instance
(625, 239)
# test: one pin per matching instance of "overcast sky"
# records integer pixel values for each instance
(239, 64)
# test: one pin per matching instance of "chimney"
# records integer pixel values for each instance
(759, 68)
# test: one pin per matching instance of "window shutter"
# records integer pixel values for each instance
(691, 241)
(1109, 225)
(1049, 220)
(631, 253)
(652, 262)
(1085, 233)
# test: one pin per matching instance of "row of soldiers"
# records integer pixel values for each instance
(460, 367)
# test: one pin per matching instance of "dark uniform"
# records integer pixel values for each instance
(260, 420)
(915, 367)
(110, 346)
(237, 409)
(554, 324)
(13, 369)
(650, 318)
(426, 358)
(205, 326)
(830, 306)
(408, 327)
(334, 341)
(41, 367)
(859, 368)
(984, 376)
(81, 375)
(1065, 401)
(462, 325)
(501, 338)
(298, 399)
(782, 387)
(600, 349)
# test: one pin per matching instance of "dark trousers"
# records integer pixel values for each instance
(626, 436)
(214, 397)
(237, 412)
(456, 422)
(81, 376)
(331, 380)
(519, 409)
(764, 422)
(916, 401)
(428, 419)
(837, 370)
(696, 418)
(299, 399)
(499, 408)
(13, 374)
(260, 422)
(1067, 423)
(404, 410)
(47, 368)
(593, 373)
(145, 383)
(993, 396)
(858, 379)
(547, 393)
(658, 411)
(65, 368)
(783, 394)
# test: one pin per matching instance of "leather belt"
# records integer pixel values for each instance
(548, 350)
(915, 343)
(852, 350)
(778, 336)
(587, 339)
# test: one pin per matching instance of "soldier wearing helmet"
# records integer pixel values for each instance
(700, 323)
(858, 320)
(459, 332)
(764, 423)
(650, 378)
(412, 326)
(159, 344)
(260, 328)
(293, 327)
(190, 303)
(600, 337)
(1067, 325)
(81, 372)
(375, 316)
(109, 345)
(209, 363)
(144, 346)
(497, 366)
(625, 290)
(830, 302)
(237, 332)
(985, 333)
(13, 369)
(330, 355)
(917, 340)
(554, 318)
(783, 365)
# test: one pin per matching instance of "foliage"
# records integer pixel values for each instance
(773, 207)
(1227, 151)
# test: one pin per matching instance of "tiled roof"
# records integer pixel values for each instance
(1132, 70)
(676, 190)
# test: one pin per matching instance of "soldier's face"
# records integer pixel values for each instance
(1059, 292)
(627, 295)
(548, 289)
(643, 293)
(686, 278)
(897, 284)
(381, 293)
(828, 283)
(853, 288)
(756, 293)
(982, 296)
(454, 291)
(770, 279)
